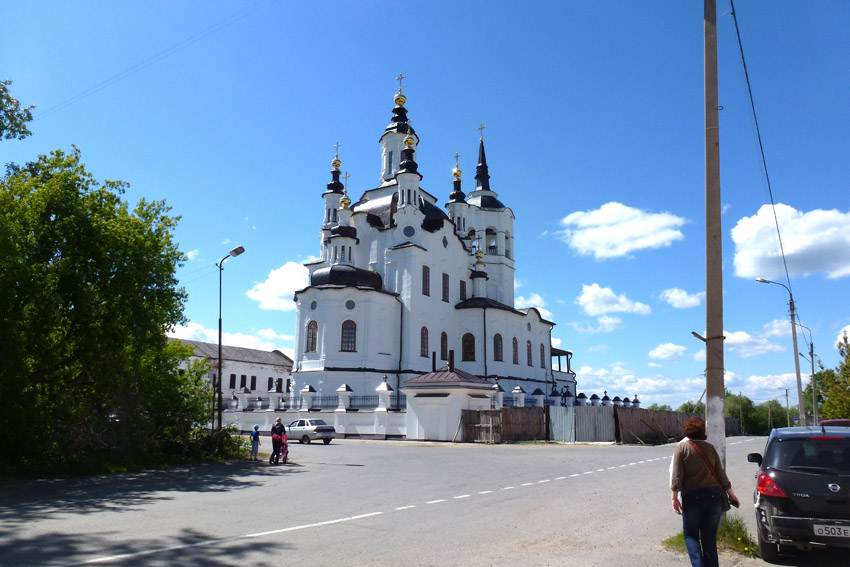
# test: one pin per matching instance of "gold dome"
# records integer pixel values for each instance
(456, 172)
(400, 99)
(345, 201)
(336, 163)
(408, 141)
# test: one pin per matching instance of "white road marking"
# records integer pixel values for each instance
(609, 468)
(542, 481)
(508, 488)
(526, 484)
(576, 474)
(588, 472)
(435, 501)
(600, 470)
(485, 492)
(221, 540)
(400, 508)
(462, 496)
(560, 477)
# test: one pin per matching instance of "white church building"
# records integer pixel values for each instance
(403, 282)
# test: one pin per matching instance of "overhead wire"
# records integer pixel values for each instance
(761, 150)
(159, 56)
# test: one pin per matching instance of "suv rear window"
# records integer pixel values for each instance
(832, 454)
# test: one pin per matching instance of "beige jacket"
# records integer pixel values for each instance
(689, 471)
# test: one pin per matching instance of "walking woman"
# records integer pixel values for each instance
(698, 474)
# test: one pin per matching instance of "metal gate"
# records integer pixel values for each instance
(594, 424)
(562, 424)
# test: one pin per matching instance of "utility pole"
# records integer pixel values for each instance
(787, 407)
(714, 369)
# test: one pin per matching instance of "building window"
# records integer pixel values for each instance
(497, 347)
(462, 290)
(243, 381)
(349, 336)
(312, 335)
(390, 162)
(253, 383)
(423, 342)
(271, 383)
(233, 381)
(426, 280)
(528, 348)
(468, 347)
(542, 356)
(516, 351)
(444, 346)
(446, 288)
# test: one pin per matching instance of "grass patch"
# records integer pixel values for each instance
(732, 536)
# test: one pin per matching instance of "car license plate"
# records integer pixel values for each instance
(832, 531)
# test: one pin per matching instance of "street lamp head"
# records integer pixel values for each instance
(762, 280)
(237, 251)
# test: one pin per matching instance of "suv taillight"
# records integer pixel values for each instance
(768, 487)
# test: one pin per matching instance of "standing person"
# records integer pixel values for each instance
(692, 473)
(278, 431)
(255, 442)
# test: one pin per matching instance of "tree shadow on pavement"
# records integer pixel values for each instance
(816, 558)
(31, 500)
(188, 548)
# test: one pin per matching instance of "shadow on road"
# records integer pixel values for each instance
(816, 558)
(30, 500)
(187, 548)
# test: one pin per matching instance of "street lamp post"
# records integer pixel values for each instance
(220, 265)
(794, 338)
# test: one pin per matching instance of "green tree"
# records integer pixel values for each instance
(741, 408)
(834, 385)
(691, 407)
(13, 118)
(89, 290)
(663, 407)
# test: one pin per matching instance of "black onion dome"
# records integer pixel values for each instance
(408, 165)
(340, 274)
(490, 202)
(348, 231)
(457, 196)
(434, 216)
(335, 185)
(399, 122)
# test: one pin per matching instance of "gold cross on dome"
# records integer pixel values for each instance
(345, 181)
(481, 131)
(457, 163)
(400, 78)
(336, 148)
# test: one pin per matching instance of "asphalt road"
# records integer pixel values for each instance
(368, 503)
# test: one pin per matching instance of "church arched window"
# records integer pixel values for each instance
(349, 336)
(516, 351)
(542, 356)
(468, 347)
(444, 346)
(423, 342)
(528, 349)
(497, 347)
(312, 336)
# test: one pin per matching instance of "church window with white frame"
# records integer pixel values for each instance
(312, 336)
(426, 280)
(516, 351)
(497, 347)
(423, 342)
(349, 336)
(444, 346)
(528, 349)
(467, 349)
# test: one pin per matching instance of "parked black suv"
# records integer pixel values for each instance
(802, 496)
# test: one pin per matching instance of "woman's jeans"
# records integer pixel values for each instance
(701, 511)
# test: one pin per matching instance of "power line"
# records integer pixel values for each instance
(180, 45)
(761, 146)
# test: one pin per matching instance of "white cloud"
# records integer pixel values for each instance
(665, 351)
(745, 345)
(197, 332)
(699, 355)
(533, 300)
(615, 230)
(596, 300)
(814, 242)
(270, 334)
(192, 254)
(598, 348)
(557, 342)
(280, 286)
(654, 365)
(776, 328)
(605, 324)
(681, 299)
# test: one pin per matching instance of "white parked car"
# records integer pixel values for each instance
(306, 430)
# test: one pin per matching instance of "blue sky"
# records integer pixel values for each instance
(594, 115)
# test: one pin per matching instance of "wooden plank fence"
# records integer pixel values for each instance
(637, 425)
